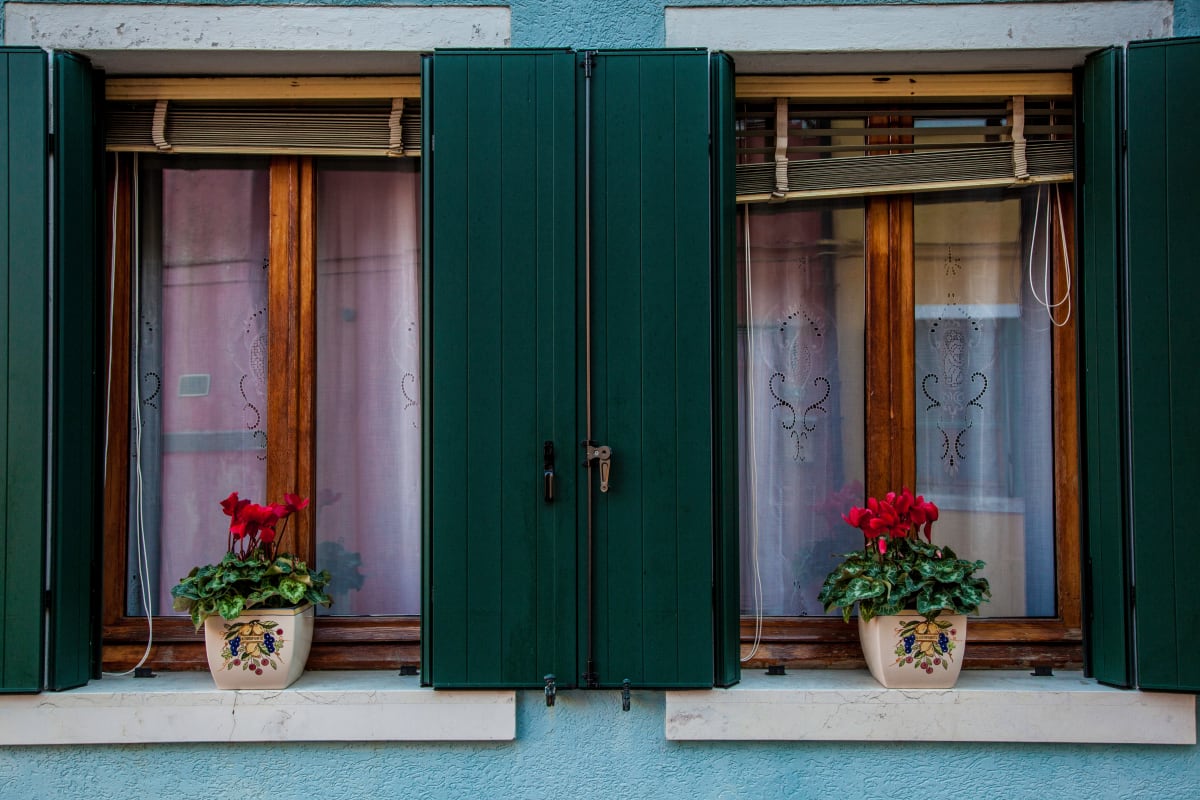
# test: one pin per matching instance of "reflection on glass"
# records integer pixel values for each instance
(199, 408)
(368, 471)
(800, 397)
(983, 384)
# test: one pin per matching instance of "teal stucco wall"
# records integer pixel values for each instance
(586, 747)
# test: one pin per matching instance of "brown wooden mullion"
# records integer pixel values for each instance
(903, 350)
(306, 374)
(291, 240)
(890, 403)
(1064, 350)
(878, 409)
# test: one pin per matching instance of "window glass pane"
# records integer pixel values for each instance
(368, 470)
(801, 397)
(983, 385)
(200, 370)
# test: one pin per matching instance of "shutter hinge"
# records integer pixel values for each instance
(589, 61)
(49, 597)
(1124, 139)
(50, 142)
(1133, 597)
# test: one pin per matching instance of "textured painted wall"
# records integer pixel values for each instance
(586, 747)
(1187, 17)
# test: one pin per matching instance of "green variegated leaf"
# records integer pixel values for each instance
(230, 607)
(292, 590)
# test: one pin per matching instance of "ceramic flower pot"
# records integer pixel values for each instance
(907, 651)
(265, 648)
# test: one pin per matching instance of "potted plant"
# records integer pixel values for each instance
(256, 604)
(913, 596)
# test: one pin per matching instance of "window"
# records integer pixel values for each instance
(892, 333)
(265, 339)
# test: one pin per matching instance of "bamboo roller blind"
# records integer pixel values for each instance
(811, 147)
(326, 116)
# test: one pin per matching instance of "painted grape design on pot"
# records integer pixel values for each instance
(925, 644)
(253, 645)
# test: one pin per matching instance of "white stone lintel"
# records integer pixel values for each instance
(985, 706)
(98, 27)
(917, 27)
(321, 706)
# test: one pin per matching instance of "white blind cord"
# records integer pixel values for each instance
(1053, 203)
(143, 557)
(750, 448)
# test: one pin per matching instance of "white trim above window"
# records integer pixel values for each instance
(918, 37)
(128, 38)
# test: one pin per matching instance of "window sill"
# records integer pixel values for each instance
(321, 706)
(986, 706)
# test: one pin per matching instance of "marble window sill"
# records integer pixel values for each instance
(321, 706)
(985, 706)
(815, 705)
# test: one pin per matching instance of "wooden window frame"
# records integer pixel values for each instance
(996, 642)
(375, 642)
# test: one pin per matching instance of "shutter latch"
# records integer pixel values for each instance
(603, 455)
(548, 471)
(551, 689)
(625, 698)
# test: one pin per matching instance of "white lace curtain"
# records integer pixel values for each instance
(983, 394)
(203, 378)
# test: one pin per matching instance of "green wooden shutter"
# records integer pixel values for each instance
(75, 506)
(1101, 246)
(34, 329)
(727, 595)
(1164, 363)
(506, 574)
(653, 368)
(500, 326)
(1138, 243)
(23, 254)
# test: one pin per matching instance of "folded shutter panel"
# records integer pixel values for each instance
(1101, 269)
(1163, 82)
(727, 594)
(75, 528)
(23, 254)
